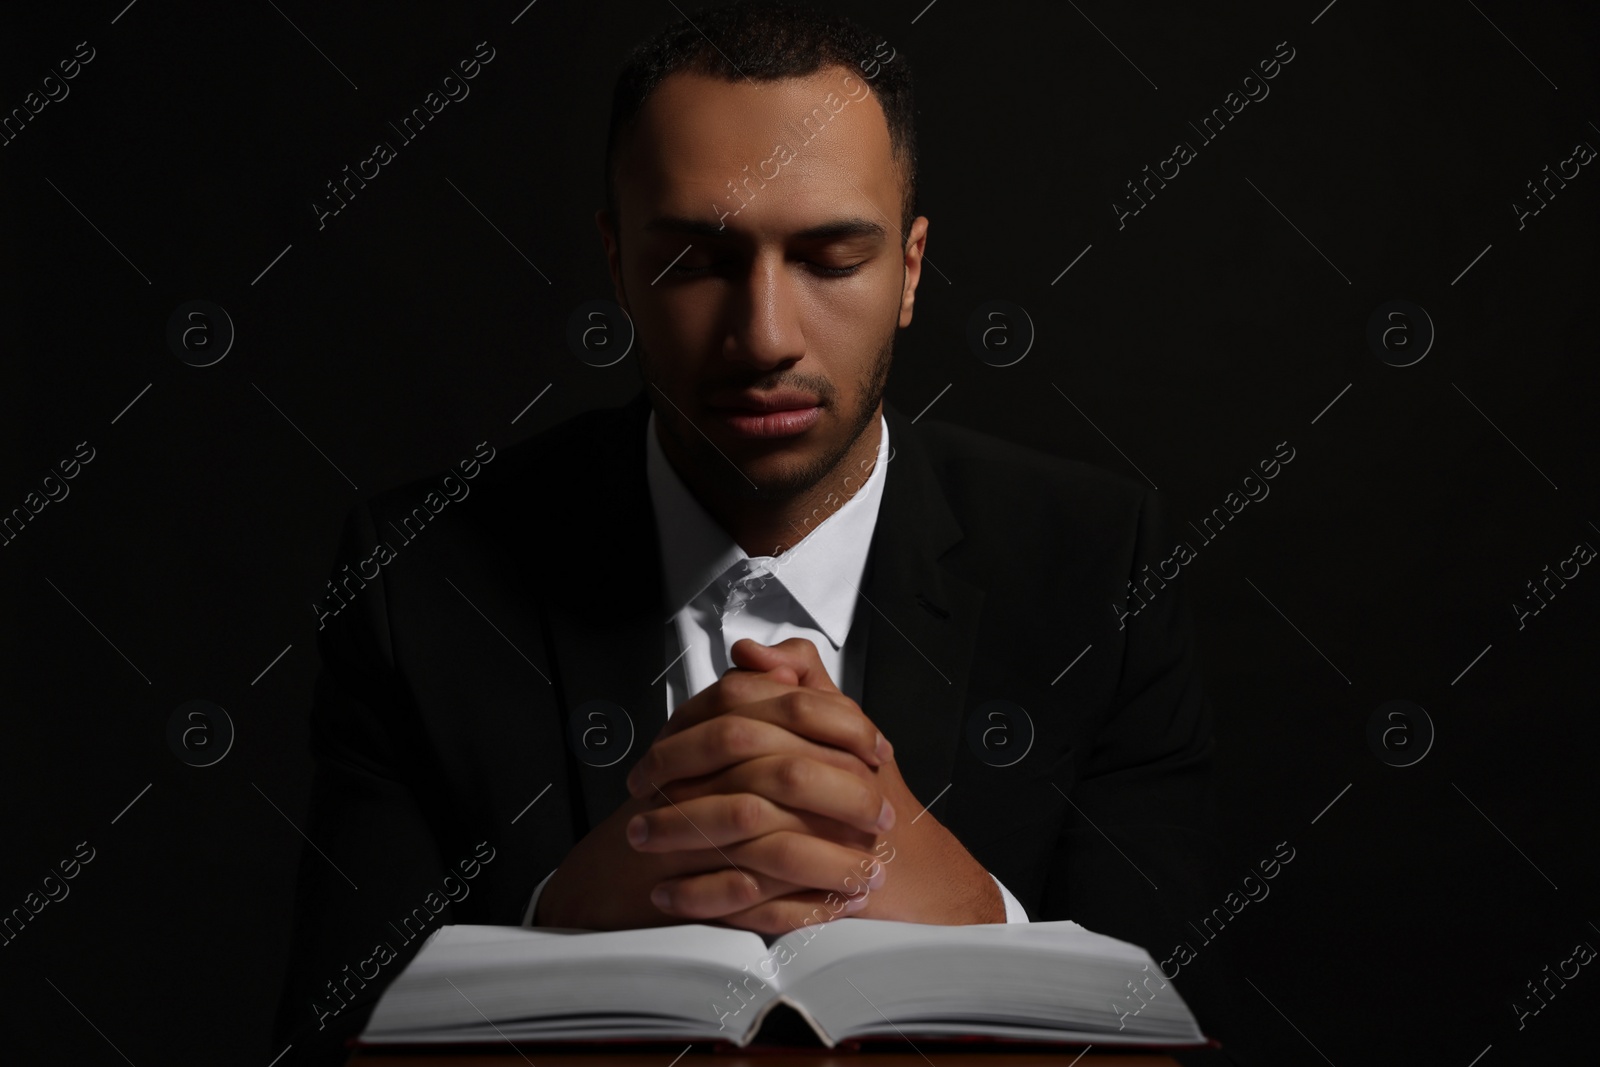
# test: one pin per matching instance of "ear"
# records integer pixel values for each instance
(916, 241)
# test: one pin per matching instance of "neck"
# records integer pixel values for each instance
(771, 526)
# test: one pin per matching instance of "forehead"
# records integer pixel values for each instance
(815, 147)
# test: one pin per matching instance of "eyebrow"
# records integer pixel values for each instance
(834, 230)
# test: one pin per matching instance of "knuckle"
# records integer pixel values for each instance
(788, 853)
(767, 918)
(793, 773)
(744, 813)
(735, 735)
(734, 690)
(764, 922)
(745, 891)
(796, 705)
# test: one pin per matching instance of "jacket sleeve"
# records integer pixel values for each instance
(1138, 851)
(371, 866)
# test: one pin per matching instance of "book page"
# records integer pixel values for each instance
(468, 972)
(702, 943)
(856, 976)
(796, 955)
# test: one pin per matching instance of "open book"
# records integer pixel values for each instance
(848, 978)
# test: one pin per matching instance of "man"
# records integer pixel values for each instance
(753, 649)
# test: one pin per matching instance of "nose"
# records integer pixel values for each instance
(765, 331)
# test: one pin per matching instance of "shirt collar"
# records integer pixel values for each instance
(822, 571)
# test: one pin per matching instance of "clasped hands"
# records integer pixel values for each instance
(767, 799)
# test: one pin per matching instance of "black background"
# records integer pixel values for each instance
(1224, 318)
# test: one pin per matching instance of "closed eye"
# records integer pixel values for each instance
(820, 269)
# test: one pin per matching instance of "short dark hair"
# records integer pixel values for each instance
(766, 41)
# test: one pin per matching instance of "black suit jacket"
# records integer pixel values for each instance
(448, 681)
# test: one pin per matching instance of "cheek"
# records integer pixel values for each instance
(851, 320)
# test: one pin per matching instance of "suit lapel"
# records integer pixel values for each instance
(606, 623)
(606, 626)
(922, 618)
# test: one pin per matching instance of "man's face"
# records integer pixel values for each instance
(797, 282)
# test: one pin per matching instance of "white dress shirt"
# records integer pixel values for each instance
(719, 594)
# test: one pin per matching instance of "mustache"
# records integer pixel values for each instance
(820, 388)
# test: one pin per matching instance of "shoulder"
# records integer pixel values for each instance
(572, 460)
(991, 480)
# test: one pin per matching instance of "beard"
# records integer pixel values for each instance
(791, 479)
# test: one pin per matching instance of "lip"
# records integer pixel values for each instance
(774, 400)
(788, 422)
(771, 413)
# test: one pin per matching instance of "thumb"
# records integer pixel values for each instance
(749, 653)
(781, 673)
